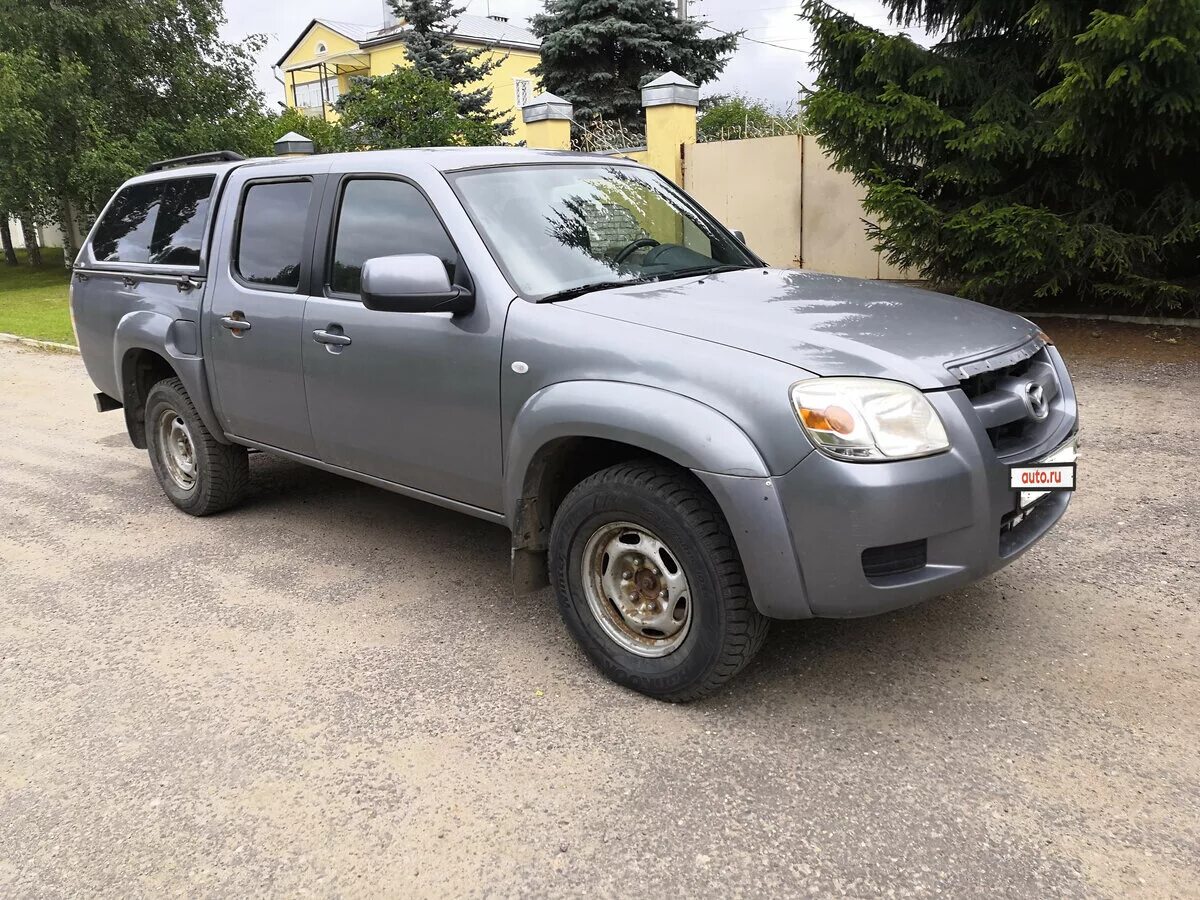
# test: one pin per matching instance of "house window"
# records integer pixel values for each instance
(311, 94)
(522, 89)
(322, 49)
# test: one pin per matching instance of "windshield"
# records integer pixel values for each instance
(559, 229)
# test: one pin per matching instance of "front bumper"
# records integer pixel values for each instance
(802, 535)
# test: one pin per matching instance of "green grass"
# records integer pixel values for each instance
(33, 302)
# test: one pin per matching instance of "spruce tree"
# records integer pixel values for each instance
(429, 43)
(1044, 151)
(598, 53)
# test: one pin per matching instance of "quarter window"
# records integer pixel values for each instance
(384, 218)
(182, 215)
(159, 222)
(271, 233)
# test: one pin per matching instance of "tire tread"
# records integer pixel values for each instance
(746, 627)
(227, 472)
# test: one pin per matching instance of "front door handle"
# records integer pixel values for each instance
(235, 322)
(328, 337)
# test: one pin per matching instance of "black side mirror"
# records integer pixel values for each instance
(412, 282)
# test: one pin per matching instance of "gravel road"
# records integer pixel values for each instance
(331, 691)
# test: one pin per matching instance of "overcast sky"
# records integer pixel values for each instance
(771, 72)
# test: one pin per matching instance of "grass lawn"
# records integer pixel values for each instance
(33, 302)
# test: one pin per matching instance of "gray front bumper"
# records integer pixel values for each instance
(802, 535)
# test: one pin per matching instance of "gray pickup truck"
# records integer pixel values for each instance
(684, 442)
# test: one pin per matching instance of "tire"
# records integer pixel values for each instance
(206, 477)
(665, 509)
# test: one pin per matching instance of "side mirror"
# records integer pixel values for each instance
(741, 237)
(413, 282)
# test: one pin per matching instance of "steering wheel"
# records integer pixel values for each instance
(629, 248)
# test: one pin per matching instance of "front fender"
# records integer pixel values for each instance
(176, 341)
(684, 431)
(670, 425)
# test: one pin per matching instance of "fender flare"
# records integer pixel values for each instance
(673, 426)
(148, 330)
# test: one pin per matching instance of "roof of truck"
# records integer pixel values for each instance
(449, 159)
(441, 159)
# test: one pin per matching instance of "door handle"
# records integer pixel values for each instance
(235, 323)
(328, 337)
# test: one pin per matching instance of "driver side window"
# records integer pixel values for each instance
(384, 217)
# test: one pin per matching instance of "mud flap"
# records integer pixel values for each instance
(529, 571)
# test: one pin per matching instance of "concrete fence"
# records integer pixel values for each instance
(781, 192)
(47, 235)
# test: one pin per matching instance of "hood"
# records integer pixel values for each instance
(825, 324)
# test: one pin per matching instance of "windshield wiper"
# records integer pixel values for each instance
(582, 289)
(703, 270)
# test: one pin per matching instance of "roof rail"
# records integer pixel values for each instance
(195, 159)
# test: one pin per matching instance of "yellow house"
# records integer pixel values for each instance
(319, 64)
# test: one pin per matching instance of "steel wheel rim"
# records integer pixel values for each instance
(176, 449)
(636, 589)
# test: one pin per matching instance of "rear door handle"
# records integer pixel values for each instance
(328, 337)
(235, 323)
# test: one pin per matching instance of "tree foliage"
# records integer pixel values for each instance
(735, 117)
(93, 89)
(406, 108)
(430, 47)
(1043, 148)
(598, 53)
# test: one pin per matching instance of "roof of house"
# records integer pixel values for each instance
(474, 28)
(469, 28)
(356, 33)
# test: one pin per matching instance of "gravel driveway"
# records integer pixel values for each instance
(332, 691)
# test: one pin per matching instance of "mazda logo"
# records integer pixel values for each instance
(1035, 399)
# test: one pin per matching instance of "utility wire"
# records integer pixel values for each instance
(742, 37)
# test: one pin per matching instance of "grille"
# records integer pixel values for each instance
(894, 559)
(1007, 393)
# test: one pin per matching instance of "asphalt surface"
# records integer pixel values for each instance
(331, 691)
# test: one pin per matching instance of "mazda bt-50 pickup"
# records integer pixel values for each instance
(684, 442)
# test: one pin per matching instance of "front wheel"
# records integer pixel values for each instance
(649, 582)
(197, 472)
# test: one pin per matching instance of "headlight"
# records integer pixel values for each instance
(868, 419)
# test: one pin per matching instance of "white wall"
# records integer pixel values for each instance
(48, 235)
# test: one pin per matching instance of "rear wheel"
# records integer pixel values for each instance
(197, 472)
(649, 582)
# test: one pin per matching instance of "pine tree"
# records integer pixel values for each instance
(598, 53)
(429, 43)
(1042, 149)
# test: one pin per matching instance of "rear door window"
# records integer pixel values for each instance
(384, 218)
(156, 222)
(271, 233)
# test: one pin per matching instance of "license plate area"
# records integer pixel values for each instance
(1053, 472)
